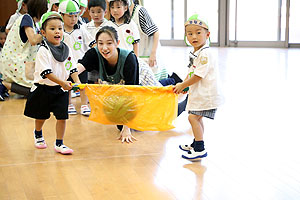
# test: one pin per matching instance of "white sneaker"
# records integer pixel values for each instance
(194, 155)
(185, 147)
(85, 110)
(40, 143)
(63, 149)
(75, 94)
(72, 110)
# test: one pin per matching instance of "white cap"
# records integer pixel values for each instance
(68, 7)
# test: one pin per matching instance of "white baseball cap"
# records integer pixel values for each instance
(68, 7)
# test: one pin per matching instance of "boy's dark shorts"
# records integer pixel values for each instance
(205, 113)
(45, 99)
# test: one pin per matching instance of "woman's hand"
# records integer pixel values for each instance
(125, 135)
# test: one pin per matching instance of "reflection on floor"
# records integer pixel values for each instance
(253, 144)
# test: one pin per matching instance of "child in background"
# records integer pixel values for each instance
(82, 6)
(202, 80)
(53, 5)
(79, 40)
(54, 64)
(97, 10)
(21, 10)
(127, 30)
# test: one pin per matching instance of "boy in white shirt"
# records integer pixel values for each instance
(97, 10)
(54, 64)
(202, 80)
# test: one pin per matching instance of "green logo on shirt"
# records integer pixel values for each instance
(68, 65)
(130, 39)
(77, 46)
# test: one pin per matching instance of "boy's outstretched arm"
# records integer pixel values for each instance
(66, 85)
(179, 87)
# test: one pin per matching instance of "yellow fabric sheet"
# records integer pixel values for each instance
(144, 108)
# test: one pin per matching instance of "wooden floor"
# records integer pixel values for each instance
(253, 144)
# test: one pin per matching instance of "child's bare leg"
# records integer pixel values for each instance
(85, 110)
(60, 129)
(39, 124)
(197, 126)
(83, 97)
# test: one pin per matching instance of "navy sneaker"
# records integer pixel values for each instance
(194, 155)
(3, 90)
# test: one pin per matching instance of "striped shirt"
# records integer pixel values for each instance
(146, 23)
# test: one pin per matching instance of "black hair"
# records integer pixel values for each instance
(36, 8)
(109, 30)
(126, 15)
(95, 3)
(2, 29)
(137, 2)
(47, 20)
(25, 1)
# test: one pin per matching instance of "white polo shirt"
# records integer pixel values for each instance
(205, 94)
(78, 41)
(45, 64)
(128, 34)
(92, 29)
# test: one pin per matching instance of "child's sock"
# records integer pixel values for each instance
(199, 146)
(193, 144)
(59, 143)
(38, 134)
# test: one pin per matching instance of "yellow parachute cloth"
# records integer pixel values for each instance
(144, 108)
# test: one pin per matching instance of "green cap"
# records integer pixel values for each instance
(50, 15)
(68, 7)
(196, 20)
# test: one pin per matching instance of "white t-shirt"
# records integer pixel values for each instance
(128, 34)
(205, 94)
(45, 64)
(78, 41)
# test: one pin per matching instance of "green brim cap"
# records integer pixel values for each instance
(50, 15)
(195, 19)
(68, 7)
